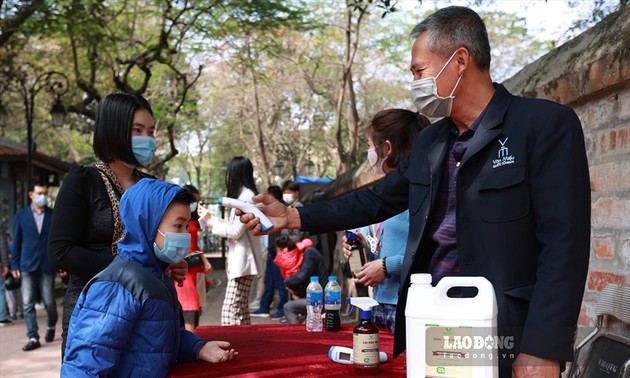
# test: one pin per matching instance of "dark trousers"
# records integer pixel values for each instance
(273, 281)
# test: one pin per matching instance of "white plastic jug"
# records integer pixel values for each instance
(451, 337)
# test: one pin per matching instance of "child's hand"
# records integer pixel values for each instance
(178, 272)
(216, 352)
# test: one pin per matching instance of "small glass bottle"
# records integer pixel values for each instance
(365, 346)
(357, 256)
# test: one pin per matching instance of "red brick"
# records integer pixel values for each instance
(602, 143)
(583, 318)
(604, 247)
(610, 178)
(615, 140)
(598, 280)
(612, 140)
(611, 212)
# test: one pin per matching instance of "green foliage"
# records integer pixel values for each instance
(259, 78)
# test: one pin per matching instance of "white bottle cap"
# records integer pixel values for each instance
(421, 278)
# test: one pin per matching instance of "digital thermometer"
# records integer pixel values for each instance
(247, 207)
(343, 355)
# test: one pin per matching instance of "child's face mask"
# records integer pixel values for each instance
(175, 247)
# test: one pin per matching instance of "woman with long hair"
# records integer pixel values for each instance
(244, 259)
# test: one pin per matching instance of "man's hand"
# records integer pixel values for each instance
(16, 274)
(281, 216)
(216, 352)
(530, 366)
(178, 272)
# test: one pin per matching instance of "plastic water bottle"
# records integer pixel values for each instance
(332, 304)
(314, 299)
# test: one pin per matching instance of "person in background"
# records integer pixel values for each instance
(291, 194)
(86, 226)
(29, 262)
(127, 320)
(390, 135)
(198, 266)
(298, 277)
(5, 270)
(273, 280)
(244, 258)
(12, 291)
(498, 188)
(325, 242)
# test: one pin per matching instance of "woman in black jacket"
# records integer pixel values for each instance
(86, 225)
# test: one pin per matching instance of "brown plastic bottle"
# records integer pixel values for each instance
(365, 346)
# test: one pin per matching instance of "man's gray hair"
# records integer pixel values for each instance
(453, 27)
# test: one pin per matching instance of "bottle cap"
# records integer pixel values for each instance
(331, 278)
(421, 278)
(365, 315)
(351, 236)
(314, 279)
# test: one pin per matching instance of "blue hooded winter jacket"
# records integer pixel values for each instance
(127, 321)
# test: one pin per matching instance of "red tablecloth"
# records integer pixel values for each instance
(277, 350)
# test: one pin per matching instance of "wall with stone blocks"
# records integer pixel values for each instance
(591, 73)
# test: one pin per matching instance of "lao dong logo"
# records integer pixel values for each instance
(456, 342)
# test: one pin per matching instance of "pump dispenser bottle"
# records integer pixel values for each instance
(365, 338)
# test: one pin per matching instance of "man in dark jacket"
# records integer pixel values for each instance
(499, 188)
(296, 284)
(29, 261)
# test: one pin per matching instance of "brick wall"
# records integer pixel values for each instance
(592, 74)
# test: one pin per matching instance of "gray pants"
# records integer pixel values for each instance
(293, 308)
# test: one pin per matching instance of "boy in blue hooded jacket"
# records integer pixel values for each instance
(127, 321)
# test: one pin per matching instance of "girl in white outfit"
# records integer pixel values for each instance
(244, 258)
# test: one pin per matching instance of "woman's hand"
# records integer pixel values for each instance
(203, 212)
(347, 249)
(216, 352)
(371, 273)
(178, 272)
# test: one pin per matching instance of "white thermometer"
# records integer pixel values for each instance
(343, 355)
(247, 207)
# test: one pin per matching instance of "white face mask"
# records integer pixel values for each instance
(288, 198)
(375, 162)
(426, 98)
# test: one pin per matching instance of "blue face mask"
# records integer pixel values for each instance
(143, 148)
(41, 200)
(176, 247)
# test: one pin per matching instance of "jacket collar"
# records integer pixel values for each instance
(491, 124)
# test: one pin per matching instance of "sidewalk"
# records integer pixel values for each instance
(45, 362)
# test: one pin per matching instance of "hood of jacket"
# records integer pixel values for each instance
(142, 207)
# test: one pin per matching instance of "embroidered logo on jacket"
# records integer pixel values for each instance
(503, 155)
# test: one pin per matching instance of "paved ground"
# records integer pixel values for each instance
(46, 361)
